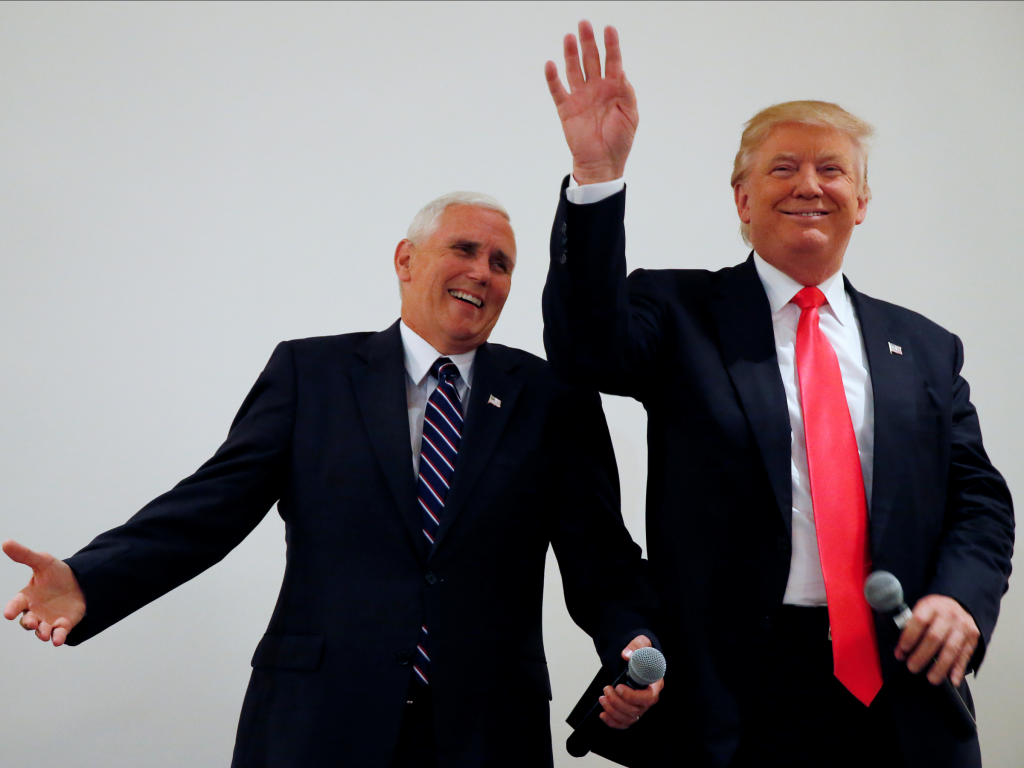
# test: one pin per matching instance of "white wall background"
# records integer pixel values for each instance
(182, 186)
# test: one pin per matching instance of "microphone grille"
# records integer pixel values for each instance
(883, 592)
(646, 665)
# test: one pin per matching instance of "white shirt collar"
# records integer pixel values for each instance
(419, 356)
(781, 288)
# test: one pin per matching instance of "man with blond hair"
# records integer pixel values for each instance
(801, 435)
(421, 473)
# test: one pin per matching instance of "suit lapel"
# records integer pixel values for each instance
(889, 392)
(743, 317)
(484, 425)
(379, 382)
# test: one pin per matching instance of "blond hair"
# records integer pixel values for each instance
(823, 114)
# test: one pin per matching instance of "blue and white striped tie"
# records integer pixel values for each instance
(442, 432)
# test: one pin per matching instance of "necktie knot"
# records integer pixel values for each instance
(444, 369)
(809, 298)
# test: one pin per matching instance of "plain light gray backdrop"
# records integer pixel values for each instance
(182, 186)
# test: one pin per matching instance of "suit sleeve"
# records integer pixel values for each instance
(194, 525)
(606, 583)
(973, 559)
(601, 329)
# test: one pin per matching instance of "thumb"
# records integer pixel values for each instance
(640, 641)
(22, 554)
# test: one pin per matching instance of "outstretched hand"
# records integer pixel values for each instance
(623, 705)
(52, 603)
(598, 114)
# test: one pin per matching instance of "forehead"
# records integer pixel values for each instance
(811, 142)
(478, 225)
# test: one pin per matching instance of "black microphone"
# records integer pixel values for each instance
(884, 593)
(646, 666)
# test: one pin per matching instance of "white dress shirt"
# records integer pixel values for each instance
(839, 323)
(420, 385)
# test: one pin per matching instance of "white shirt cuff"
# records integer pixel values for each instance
(592, 193)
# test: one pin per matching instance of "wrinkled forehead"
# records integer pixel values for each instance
(803, 141)
(483, 227)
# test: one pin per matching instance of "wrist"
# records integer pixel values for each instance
(596, 174)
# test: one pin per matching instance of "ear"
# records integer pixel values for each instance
(403, 255)
(862, 210)
(742, 202)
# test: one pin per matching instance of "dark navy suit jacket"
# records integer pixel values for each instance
(325, 434)
(697, 348)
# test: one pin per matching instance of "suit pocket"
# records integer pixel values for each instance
(301, 652)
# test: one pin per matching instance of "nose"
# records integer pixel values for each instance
(480, 268)
(806, 182)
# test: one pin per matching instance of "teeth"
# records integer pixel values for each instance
(812, 213)
(467, 297)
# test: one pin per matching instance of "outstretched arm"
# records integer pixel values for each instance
(598, 114)
(52, 603)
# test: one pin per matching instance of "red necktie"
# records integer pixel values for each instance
(840, 507)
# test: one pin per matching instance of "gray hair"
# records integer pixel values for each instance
(427, 220)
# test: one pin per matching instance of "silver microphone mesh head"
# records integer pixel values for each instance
(646, 665)
(883, 592)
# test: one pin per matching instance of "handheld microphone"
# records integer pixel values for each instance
(646, 666)
(884, 593)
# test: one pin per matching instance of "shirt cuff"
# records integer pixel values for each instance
(592, 193)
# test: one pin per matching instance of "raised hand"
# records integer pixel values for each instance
(598, 114)
(52, 602)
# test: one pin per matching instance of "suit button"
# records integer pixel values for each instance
(404, 657)
(783, 543)
(562, 258)
(765, 623)
(431, 579)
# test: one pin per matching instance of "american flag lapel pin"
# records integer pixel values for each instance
(492, 400)
(895, 349)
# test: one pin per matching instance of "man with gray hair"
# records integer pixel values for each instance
(421, 473)
(801, 435)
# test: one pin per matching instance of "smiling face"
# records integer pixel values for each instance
(455, 281)
(802, 198)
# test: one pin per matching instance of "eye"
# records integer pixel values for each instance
(500, 265)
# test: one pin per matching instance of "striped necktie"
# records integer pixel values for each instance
(442, 432)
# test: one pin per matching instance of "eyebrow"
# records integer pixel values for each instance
(474, 246)
(827, 158)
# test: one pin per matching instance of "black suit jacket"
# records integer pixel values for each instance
(697, 349)
(325, 434)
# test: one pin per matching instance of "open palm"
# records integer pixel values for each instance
(52, 602)
(598, 114)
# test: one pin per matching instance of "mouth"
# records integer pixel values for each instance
(467, 297)
(806, 214)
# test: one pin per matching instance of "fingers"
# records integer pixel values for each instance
(43, 631)
(558, 92)
(941, 637)
(59, 635)
(591, 56)
(22, 554)
(613, 54)
(623, 706)
(17, 605)
(960, 665)
(573, 73)
(930, 642)
(640, 641)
